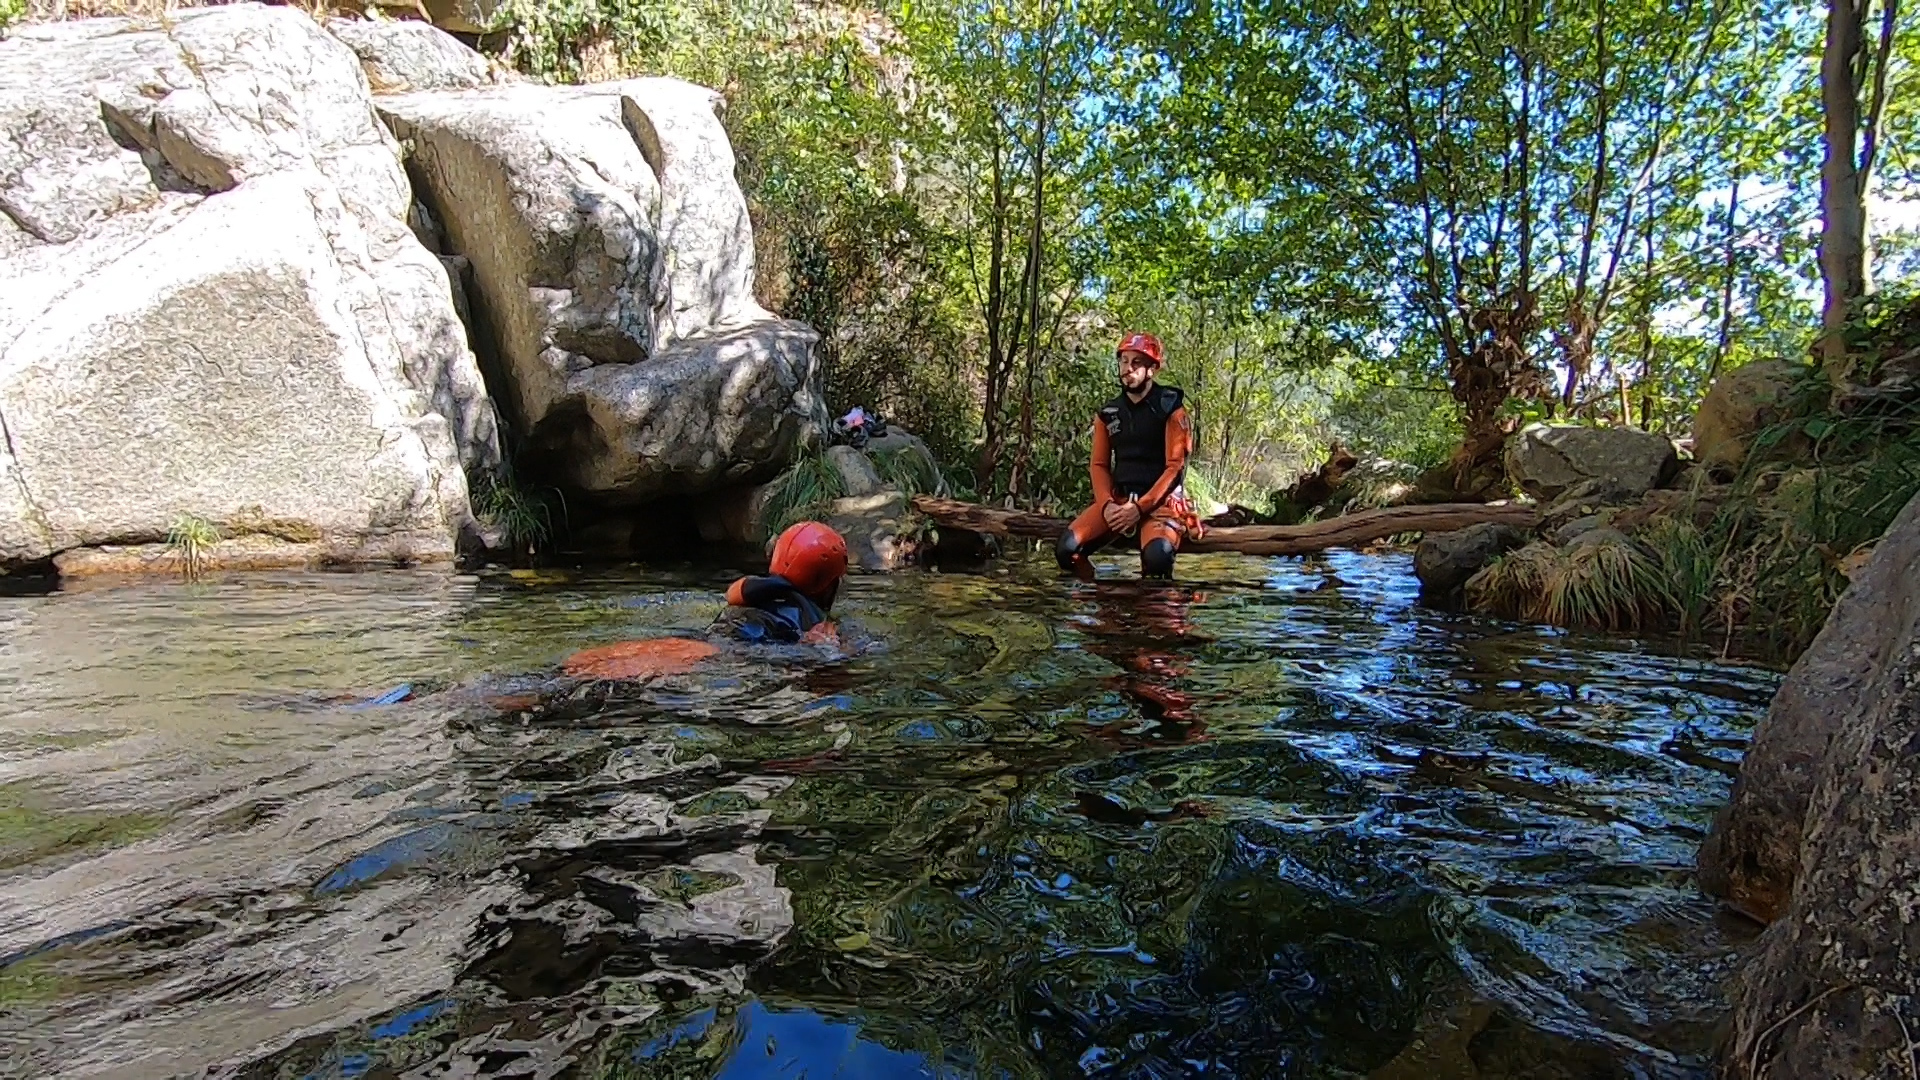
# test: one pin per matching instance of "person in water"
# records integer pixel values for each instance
(789, 605)
(792, 602)
(1141, 440)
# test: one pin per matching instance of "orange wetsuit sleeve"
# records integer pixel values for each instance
(1101, 465)
(737, 593)
(1179, 441)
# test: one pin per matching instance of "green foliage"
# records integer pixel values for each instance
(1689, 569)
(11, 11)
(521, 515)
(912, 472)
(802, 493)
(191, 538)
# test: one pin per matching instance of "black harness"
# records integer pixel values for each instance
(1138, 437)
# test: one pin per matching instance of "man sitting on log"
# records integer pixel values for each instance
(1140, 444)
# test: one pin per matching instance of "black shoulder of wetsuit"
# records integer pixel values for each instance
(1171, 398)
(782, 600)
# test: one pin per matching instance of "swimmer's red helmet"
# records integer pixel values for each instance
(812, 556)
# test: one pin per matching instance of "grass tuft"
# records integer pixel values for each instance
(1607, 583)
(803, 492)
(191, 539)
(1512, 585)
(521, 514)
(913, 472)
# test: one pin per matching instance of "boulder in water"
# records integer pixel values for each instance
(1823, 836)
(1546, 460)
(210, 300)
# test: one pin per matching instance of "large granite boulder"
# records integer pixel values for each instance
(210, 301)
(612, 261)
(1737, 407)
(1827, 813)
(1546, 460)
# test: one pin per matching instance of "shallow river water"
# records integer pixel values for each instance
(1277, 821)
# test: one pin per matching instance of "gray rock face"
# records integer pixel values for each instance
(1547, 460)
(1754, 854)
(210, 302)
(612, 265)
(871, 525)
(1834, 990)
(1444, 561)
(1737, 406)
(400, 57)
(857, 473)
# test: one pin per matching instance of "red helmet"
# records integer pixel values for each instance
(1145, 344)
(810, 555)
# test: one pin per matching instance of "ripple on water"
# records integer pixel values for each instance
(1278, 820)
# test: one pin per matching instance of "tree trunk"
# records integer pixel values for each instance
(1351, 530)
(1843, 227)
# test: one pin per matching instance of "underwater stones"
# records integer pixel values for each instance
(1444, 561)
(612, 263)
(221, 305)
(1823, 838)
(1547, 460)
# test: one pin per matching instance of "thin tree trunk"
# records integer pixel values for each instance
(1725, 341)
(1578, 352)
(1843, 226)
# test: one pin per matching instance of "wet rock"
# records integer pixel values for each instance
(1444, 561)
(404, 56)
(213, 299)
(1737, 407)
(1827, 812)
(1755, 852)
(612, 263)
(1547, 460)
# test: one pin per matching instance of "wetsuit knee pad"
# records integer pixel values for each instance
(1067, 549)
(1156, 559)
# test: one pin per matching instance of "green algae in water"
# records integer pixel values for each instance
(29, 833)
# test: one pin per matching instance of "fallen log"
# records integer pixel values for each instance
(1351, 530)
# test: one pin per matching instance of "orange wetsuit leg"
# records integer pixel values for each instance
(1159, 539)
(1084, 535)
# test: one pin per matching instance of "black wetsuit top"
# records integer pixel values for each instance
(1138, 435)
(775, 611)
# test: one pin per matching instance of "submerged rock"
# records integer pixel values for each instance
(1547, 461)
(210, 300)
(1823, 836)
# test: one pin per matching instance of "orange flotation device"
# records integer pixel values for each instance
(642, 659)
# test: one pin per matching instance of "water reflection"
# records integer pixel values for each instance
(1274, 821)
